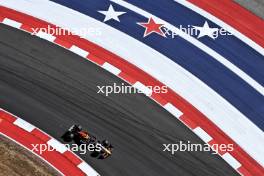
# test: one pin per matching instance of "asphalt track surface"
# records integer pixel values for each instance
(53, 88)
(255, 6)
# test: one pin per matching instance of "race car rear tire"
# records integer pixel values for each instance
(68, 136)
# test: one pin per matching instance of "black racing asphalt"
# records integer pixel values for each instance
(53, 88)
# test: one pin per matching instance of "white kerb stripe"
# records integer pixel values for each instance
(144, 89)
(111, 68)
(46, 36)
(231, 161)
(57, 145)
(202, 134)
(173, 110)
(79, 51)
(24, 125)
(87, 169)
(12, 23)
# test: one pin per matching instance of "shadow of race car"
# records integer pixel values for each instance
(75, 133)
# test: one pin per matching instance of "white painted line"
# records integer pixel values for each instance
(57, 145)
(231, 161)
(79, 51)
(142, 88)
(12, 23)
(24, 125)
(202, 134)
(87, 169)
(111, 68)
(46, 36)
(173, 110)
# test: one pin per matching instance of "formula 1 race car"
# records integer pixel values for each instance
(79, 136)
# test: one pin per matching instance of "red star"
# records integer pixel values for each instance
(151, 27)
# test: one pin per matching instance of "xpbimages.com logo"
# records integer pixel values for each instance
(128, 89)
(182, 146)
(57, 31)
(197, 31)
(82, 148)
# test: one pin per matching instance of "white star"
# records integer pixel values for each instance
(206, 30)
(111, 14)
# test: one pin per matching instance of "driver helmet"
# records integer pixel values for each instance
(106, 143)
